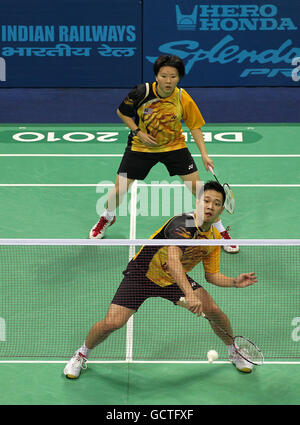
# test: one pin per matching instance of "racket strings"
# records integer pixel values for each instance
(229, 201)
(248, 350)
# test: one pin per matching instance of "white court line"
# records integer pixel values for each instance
(140, 361)
(132, 235)
(138, 185)
(121, 154)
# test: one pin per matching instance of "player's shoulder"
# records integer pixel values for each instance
(184, 94)
(216, 233)
(181, 226)
(142, 93)
(185, 98)
(138, 91)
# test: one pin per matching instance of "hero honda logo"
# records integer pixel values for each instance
(232, 18)
(251, 17)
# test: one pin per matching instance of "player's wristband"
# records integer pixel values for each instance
(135, 132)
(234, 283)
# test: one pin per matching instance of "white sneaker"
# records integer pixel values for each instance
(232, 249)
(240, 363)
(74, 365)
(98, 230)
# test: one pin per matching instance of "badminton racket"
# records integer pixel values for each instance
(242, 345)
(229, 203)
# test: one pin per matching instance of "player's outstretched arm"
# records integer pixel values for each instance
(243, 280)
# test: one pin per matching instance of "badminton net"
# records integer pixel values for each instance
(53, 291)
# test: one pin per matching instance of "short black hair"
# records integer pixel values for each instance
(169, 60)
(213, 185)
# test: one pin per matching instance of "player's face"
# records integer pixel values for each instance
(212, 205)
(167, 79)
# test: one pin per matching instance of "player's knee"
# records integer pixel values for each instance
(212, 311)
(113, 323)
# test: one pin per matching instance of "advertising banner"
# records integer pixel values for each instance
(99, 43)
(226, 43)
(94, 43)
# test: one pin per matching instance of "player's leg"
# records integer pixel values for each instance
(220, 322)
(126, 301)
(216, 315)
(117, 316)
(232, 249)
(212, 312)
(114, 198)
(134, 166)
(209, 308)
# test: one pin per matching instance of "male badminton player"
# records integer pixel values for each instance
(153, 112)
(162, 271)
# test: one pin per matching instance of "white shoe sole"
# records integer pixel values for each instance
(99, 236)
(231, 250)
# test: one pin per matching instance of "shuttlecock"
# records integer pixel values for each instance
(212, 355)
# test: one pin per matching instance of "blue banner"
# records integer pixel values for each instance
(100, 43)
(226, 43)
(70, 43)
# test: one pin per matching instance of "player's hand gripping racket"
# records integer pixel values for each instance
(229, 201)
(242, 345)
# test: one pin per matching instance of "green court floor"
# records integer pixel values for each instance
(151, 384)
(53, 183)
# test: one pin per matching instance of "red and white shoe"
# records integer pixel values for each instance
(74, 366)
(232, 249)
(100, 227)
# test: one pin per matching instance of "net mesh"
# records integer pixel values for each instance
(53, 292)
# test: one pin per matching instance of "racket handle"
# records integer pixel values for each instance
(182, 299)
(211, 170)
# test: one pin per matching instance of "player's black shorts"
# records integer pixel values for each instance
(135, 288)
(136, 165)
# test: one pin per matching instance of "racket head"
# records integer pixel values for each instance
(248, 350)
(229, 201)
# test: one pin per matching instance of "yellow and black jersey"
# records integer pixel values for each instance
(151, 261)
(160, 117)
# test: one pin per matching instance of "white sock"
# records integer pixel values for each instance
(219, 226)
(84, 350)
(231, 349)
(109, 215)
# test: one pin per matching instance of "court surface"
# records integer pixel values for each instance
(54, 181)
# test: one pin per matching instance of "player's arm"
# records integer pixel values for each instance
(199, 140)
(177, 272)
(194, 120)
(145, 138)
(127, 120)
(241, 281)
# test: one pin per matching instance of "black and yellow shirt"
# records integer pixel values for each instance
(151, 261)
(160, 117)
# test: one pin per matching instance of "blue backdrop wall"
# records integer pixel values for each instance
(242, 58)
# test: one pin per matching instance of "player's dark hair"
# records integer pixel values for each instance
(169, 60)
(212, 185)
